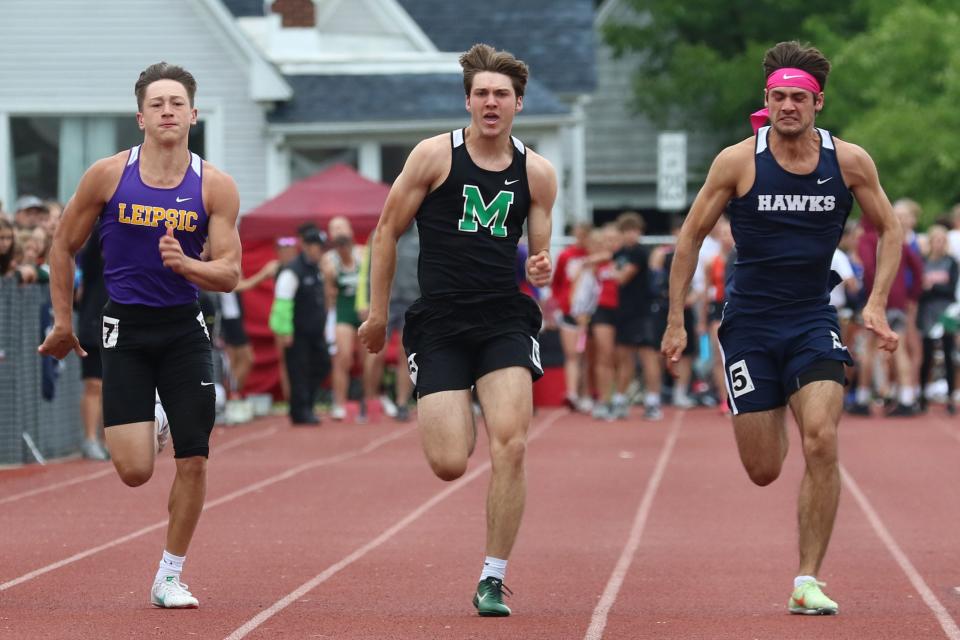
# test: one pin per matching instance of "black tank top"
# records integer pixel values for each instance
(470, 225)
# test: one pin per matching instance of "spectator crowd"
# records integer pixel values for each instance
(607, 303)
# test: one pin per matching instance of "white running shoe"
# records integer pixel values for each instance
(161, 425)
(338, 412)
(170, 593)
(389, 408)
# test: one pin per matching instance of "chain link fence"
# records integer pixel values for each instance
(32, 426)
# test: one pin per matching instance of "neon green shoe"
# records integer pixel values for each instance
(809, 600)
(489, 598)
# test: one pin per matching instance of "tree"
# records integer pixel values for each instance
(894, 90)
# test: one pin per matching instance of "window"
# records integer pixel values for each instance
(306, 162)
(50, 153)
(392, 158)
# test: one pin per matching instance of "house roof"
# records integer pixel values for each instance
(352, 98)
(554, 37)
(244, 8)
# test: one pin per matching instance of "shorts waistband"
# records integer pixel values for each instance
(145, 314)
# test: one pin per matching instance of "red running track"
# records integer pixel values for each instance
(633, 530)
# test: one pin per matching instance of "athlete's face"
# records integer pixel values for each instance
(167, 114)
(493, 103)
(792, 110)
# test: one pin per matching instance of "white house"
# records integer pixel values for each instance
(285, 86)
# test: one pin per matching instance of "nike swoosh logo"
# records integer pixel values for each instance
(786, 77)
(509, 182)
(179, 199)
(824, 180)
(205, 384)
(480, 598)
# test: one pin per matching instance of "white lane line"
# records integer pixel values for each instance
(109, 470)
(211, 504)
(599, 619)
(58, 485)
(401, 524)
(943, 616)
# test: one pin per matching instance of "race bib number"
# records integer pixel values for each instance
(111, 332)
(740, 380)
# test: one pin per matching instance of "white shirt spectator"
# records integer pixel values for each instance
(840, 264)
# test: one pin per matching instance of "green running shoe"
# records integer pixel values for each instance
(489, 598)
(809, 600)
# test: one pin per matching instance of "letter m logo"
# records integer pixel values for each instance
(478, 213)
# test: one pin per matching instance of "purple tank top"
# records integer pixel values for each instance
(131, 225)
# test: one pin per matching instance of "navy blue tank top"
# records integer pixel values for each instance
(786, 229)
(132, 223)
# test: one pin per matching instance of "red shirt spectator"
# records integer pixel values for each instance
(900, 292)
(609, 285)
(568, 266)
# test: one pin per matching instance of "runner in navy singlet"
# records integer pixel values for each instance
(788, 190)
(157, 204)
(470, 191)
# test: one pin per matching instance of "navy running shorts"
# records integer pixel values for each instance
(764, 357)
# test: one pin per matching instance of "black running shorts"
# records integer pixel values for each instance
(166, 349)
(450, 345)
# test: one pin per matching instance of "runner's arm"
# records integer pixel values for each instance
(861, 176)
(543, 192)
(222, 271)
(77, 222)
(420, 172)
(718, 189)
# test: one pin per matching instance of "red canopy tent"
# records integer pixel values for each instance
(337, 190)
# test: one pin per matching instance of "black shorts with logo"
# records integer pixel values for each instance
(450, 343)
(164, 350)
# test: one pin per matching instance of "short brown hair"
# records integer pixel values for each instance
(483, 57)
(797, 56)
(164, 71)
(630, 221)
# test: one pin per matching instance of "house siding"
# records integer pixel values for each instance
(61, 57)
(621, 145)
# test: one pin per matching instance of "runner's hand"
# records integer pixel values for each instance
(172, 253)
(672, 346)
(60, 342)
(373, 333)
(875, 319)
(539, 269)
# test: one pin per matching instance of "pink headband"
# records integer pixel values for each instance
(786, 77)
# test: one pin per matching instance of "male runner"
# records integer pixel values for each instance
(157, 203)
(471, 191)
(788, 192)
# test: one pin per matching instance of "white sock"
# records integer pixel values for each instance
(863, 395)
(799, 580)
(493, 567)
(906, 395)
(619, 398)
(651, 399)
(170, 565)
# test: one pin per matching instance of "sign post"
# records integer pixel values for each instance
(672, 171)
